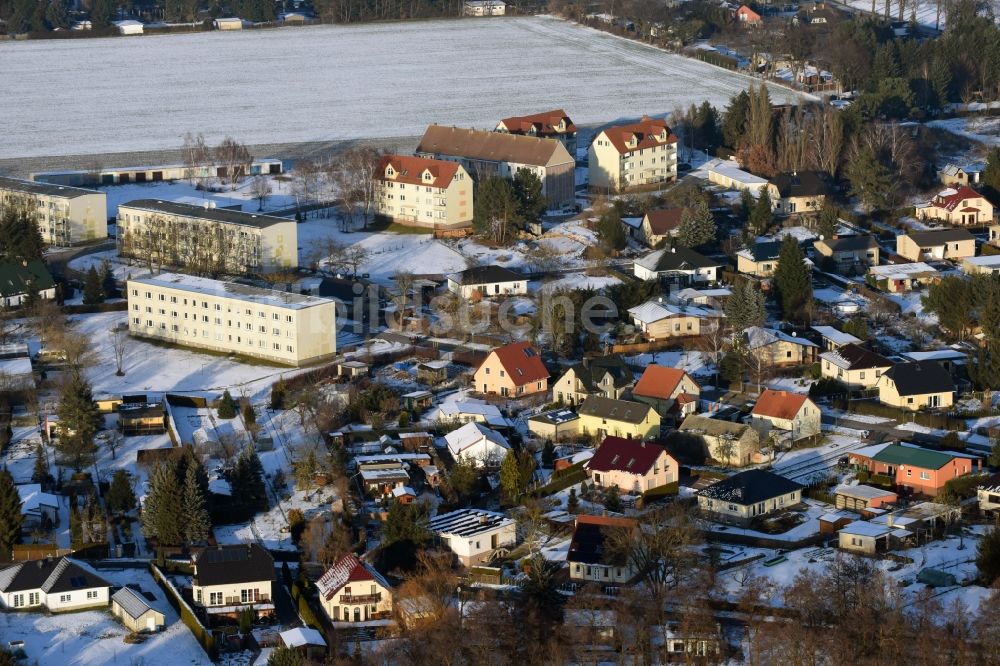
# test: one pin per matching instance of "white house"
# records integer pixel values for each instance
(58, 584)
(488, 281)
(129, 27)
(475, 535)
(353, 591)
(476, 442)
(731, 177)
(678, 264)
(38, 507)
(793, 413)
(227, 579)
(467, 411)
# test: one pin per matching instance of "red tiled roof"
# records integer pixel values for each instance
(625, 455)
(951, 201)
(544, 123)
(411, 170)
(348, 569)
(608, 521)
(779, 404)
(751, 15)
(645, 131)
(522, 363)
(658, 381)
(664, 220)
(685, 398)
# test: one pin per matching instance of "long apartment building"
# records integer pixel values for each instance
(423, 192)
(205, 239)
(290, 329)
(626, 157)
(484, 154)
(66, 215)
(553, 124)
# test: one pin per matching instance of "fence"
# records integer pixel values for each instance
(201, 634)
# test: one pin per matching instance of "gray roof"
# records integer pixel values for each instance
(677, 258)
(920, 378)
(224, 215)
(58, 575)
(468, 522)
(750, 487)
(130, 601)
(618, 410)
(931, 238)
(849, 243)
(32, 187)
(486, 275)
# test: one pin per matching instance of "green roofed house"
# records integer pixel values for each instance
(18, 280)
(918, 470)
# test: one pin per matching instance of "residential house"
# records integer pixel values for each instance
(731, 177)
(485, 154)
(987, 264)
(228, 579)
(917, 385)
(206, 239)
(734, 444)
(606, 376)
(352, 590)
(667, 390)
(18, 280)
(799, 192)
(988, 494)
(955, 175)
(833, 338)
(424, 192)
(659, 224)
(55, 584)
(759, 260)
(40, 509)
(959, 207)
(748, 495)
(952, 244)
(851, 255)
(900, 278)
(592, 557)
(134, 611)
(553, 124)
(624, 157)
(777, 348)
(746, 16)
(475, 536)
(865, 537)
(659, 321)
(232, 318)
(677, 265)
(555, 426)
(484, 7)
(854, 365)
(632, 465)
(621, 418)
(471, 410)
(65, 215)
(116, 175)
(920, 471)
(514, 370)
(487, 281)
(479, 444)
(862, 499)
(793, 413)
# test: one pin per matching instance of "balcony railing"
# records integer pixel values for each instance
(236, 601)
(361, 598)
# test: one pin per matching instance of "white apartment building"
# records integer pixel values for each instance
(66, 215)
(423, 192)
(624, 157)
(286, 328)
(206, 239)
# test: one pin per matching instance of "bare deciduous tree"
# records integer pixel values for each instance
(119, 339)
(234, 159)
(261, 190)
(197, 156)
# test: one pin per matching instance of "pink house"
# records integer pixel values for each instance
(633, 465)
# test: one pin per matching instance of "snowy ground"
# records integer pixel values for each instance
(983, 130)
(94, 638)
(926, 11)
(346, 83)
(181, 190)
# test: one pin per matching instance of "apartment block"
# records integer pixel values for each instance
(285, 328)
(65, 215)
(484, 154)
(423, 192)
(625, 157)
(206, 239)
(553, 124)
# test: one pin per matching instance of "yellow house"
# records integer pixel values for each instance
(760, 260)
(660, 321)
(513, 370)
(794, 413)
(602, 417)
(953, 244)
(958, 206)
(734, 444)
(424, 192)
(849, 253)
(854, 365)
(607, 376)
(659, 224)
(799, 192)
(624, 157)
(65, 215)
(353, 591)
(778, 348)
(228, 579)
(917, 385)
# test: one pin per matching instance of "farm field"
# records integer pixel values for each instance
(90, 96)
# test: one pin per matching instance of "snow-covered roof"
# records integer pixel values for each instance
(32, 498)
(733, 172)
(471, 434)
(935, 355)
(130, 602)
(861, 491)
(902, 271)
(761, 337)
(301, 637)
(653, 311)
(985, 261)
(865, 529)
(491, 413)
(400, 491)
(347, 569)
(468, 522)
(232, 290)
(835, 336)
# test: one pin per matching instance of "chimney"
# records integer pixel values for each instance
(482, 520)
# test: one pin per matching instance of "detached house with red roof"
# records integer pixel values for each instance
(794, 413)
(632, 465)
(667, 390)
(659, 224)
(553, 124)
(423, 192)
(958, 206)
(624, 157)
(512, 371)
(352, 591)
(747, 16)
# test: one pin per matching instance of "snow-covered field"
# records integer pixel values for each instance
(346, 84)
(983, 130)
(926, 11)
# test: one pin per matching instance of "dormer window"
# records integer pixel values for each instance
(427, 175)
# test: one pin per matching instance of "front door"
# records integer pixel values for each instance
(357, 615)
(151, 624)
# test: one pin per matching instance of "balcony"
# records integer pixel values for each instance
(361, 598)
(237, 601)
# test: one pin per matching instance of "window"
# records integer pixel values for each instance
(925, 476)
(18, 600)
(91, 594)
(33, 599)
(215, 599)
(65, 598)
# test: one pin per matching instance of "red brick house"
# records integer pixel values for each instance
(921, 471)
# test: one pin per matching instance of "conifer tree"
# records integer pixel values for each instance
(20, 238)
(162, 513)
(988, 557)
(247, 481)
(697, 226)
(120, 497)
(227, 406)
(93, 290)
(745, 307)
(197, 524)
(249, 414)
(11, 517)
(108, 285)
(40, 472)
(793, 281)
(762, 216)
(79, 419)
(510, 476)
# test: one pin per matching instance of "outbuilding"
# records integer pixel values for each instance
(135, 612)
